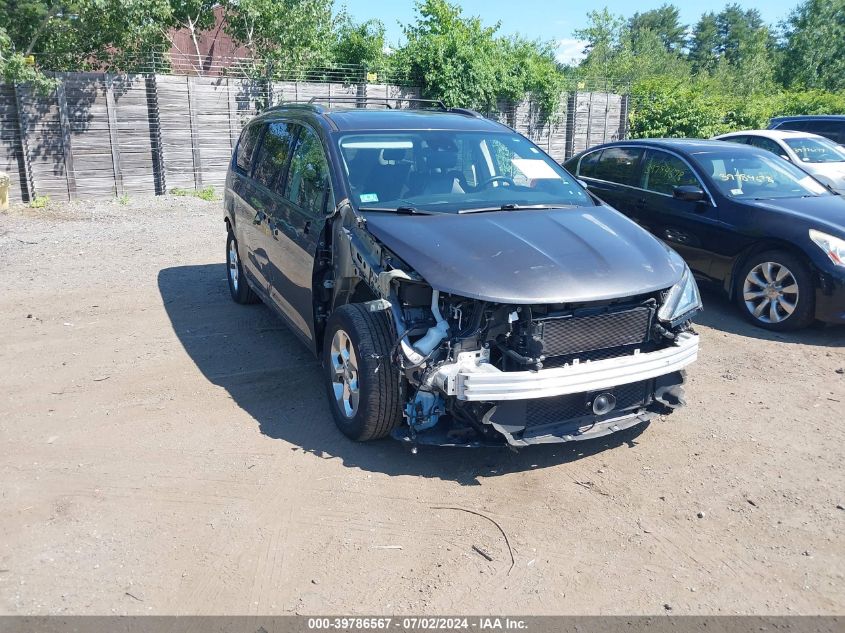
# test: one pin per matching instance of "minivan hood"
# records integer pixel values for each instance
(533, 256)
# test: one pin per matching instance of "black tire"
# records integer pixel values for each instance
(804, 301)
(371, 338)
(238, 285)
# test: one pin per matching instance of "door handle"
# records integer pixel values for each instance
(641, 202)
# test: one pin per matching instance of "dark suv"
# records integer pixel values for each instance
(458, 285)
(830, 125)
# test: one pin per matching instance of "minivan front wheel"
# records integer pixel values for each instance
(775, 291)
(238, 286)
(363, 388)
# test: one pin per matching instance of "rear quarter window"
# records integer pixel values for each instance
(246, 146)
(617, 164)
(274, 152)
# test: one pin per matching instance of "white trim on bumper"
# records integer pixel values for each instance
(487, 383)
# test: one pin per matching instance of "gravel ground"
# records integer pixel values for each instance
(167, 451)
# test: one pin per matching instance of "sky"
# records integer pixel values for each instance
(549, 21)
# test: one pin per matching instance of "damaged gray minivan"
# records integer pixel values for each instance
(458, 285)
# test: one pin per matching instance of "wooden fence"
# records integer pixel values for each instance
(103, 135)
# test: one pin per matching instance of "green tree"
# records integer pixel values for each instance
(359, 44)
(814, 46)
(81, 34)
(453, 56)
(705, 44)
(193, 15)
(665, 23)
(289, 34)
(738, 28)
(603, 35)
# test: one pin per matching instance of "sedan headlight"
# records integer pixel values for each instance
(833, 247)
(683, 298)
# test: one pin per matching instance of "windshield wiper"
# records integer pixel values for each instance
(516, 207)
(399, 210)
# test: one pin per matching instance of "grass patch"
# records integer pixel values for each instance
(206, 193)
(39, 202)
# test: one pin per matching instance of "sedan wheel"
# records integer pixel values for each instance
(775, 291)
(771, 292)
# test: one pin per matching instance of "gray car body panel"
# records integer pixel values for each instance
(569, 255)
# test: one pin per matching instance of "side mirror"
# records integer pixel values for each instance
(688, 193)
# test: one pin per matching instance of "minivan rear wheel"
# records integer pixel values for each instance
(775, 291)
(363, 388)
(238, 286)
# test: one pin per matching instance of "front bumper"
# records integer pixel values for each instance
(830, 297)
(486, 383)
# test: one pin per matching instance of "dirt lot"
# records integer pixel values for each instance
(167, 451)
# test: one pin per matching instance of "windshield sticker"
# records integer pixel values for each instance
(535, 169)
(368, 197)
(736, 192)
(740, 177)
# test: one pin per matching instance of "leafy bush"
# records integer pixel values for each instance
(39, 202)
(697, 109)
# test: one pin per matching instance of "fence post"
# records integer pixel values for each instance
(623, 116)
(195, 142)
(111, 110)
(234, 128)
(154, 123)
(67, 149)
(571, 107)
(27, 186)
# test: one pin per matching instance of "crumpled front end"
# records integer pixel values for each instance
(541, 374)
(479, 372)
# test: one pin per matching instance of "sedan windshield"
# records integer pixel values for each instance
(746, 175)
(454, 172)
(816, 150)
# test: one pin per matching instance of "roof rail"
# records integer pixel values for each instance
(315, 107)
(385, 101)
(467, 112)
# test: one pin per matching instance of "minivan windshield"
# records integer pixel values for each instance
(454, 172)
(752, 176)
(816, 150)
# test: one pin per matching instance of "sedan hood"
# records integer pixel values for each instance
(820, 212)
(832, 174)
(538, 256)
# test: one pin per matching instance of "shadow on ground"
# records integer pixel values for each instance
(270, 374)
(721, 314)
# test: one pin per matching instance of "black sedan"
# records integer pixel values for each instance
(767, 233)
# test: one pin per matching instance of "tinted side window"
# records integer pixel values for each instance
(588, 165)
(767, 144)
(308, 176)
(246, 145)
(833, 130)
(663, 172)
(273, 154)
(795, 126)
(617, 164)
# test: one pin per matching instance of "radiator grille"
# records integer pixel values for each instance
(558, 409)
(570, 335)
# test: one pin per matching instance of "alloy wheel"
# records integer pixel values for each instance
(770, 292)
(344, 366)
(233, 264)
